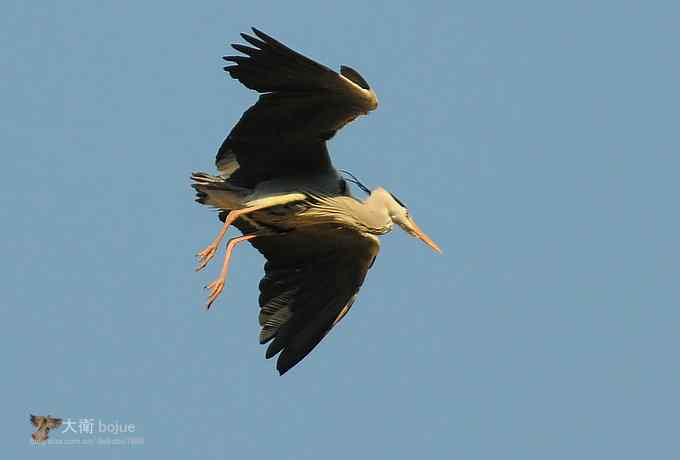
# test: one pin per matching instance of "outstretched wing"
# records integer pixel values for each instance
(53, 422)
(312, 277)
(303, 104)
(37, 420)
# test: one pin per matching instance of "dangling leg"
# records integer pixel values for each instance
(217, 286)
(208, 253)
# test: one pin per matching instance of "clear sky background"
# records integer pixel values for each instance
(536, 142)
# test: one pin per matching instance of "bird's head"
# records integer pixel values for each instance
(398, 213)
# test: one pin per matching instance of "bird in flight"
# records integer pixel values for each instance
(277, 185)
(43, 425)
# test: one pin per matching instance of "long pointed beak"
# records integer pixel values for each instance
(423, 237)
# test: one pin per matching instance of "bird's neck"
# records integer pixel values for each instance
(378, 218)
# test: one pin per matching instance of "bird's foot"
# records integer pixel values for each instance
(205, 256)
(216, 288)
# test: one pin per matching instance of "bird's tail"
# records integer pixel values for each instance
(216, 192)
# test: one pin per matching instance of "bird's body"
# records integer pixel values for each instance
(306, 207)
(278, 186)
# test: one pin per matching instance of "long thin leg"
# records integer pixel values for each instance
(209, 252)
(217, 286)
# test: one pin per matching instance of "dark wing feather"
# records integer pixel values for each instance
(272, 66)
(303, 104)
(36, 420)
(54, 422)
(312, 277)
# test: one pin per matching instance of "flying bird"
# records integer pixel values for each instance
(43, 425)
(277, 185)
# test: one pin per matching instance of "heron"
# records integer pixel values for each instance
(277, 185)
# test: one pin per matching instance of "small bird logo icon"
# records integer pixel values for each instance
(43, 425)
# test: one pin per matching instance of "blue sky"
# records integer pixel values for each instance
(535, 142)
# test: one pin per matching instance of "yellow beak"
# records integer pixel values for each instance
(423, 237)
